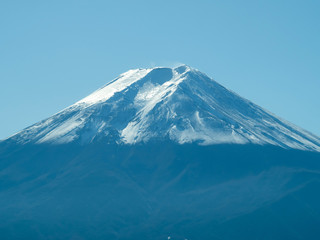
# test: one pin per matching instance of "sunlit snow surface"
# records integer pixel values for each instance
(117, 85)
(179, 104)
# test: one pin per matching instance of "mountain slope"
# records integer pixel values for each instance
(156, 153)
(180, 104)
(152, 191)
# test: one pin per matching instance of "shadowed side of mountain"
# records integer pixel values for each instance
(189, 191)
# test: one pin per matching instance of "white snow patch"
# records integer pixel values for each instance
(119, 84)
(64, 131)
(205, 136)
(146, 93)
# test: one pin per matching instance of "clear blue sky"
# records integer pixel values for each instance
(53, 53)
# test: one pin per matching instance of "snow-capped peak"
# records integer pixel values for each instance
(124, 81)
(167, 104)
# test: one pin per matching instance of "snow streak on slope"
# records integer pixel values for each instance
(160, 104)
(117, 85)
(146, 100)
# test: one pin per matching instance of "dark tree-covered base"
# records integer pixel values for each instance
(152, 191)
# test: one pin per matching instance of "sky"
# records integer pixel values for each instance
(53, 53)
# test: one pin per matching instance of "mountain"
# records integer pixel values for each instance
(180, 104)
(157, 154)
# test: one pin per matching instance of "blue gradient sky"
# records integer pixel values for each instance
(53, 53)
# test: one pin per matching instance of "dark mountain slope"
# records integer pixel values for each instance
(145, 191)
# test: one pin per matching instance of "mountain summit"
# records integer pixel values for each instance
(179, 104)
